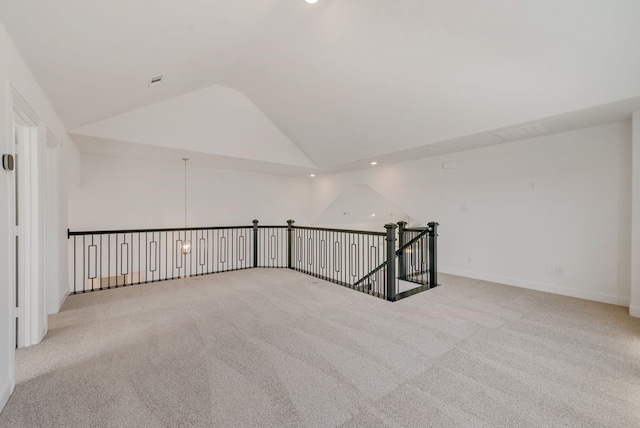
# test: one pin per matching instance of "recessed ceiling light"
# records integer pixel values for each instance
(312, 175)
(373, 215)
(374, 163)
(311, 1)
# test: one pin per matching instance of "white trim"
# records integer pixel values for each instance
(5, 393)
(21, 108)
(540, 286)
(10, 274)
(32, 326)
(52, 235)
(634, 311)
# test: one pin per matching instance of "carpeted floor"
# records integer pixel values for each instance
(277, 348)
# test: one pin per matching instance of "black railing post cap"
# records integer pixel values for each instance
(390, 226)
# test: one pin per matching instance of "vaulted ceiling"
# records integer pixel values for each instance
(283, 86)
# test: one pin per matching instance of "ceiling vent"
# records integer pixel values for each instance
(523, 132)
(155, 80)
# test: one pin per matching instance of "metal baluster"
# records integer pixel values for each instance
(100, 262)
(75, 261)
(108, 261)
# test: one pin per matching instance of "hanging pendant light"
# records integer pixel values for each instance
(186, 244)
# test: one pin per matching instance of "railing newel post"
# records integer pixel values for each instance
(433, 254)
(255, 243)
(402, 269)
(391, 261)
(290, 243)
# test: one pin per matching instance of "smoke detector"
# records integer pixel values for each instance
(522, 132)
(155, 80)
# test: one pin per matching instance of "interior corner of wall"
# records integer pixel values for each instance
(62, 300)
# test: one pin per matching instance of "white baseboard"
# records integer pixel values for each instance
(634, 311)
(540, 286)
(5, 393)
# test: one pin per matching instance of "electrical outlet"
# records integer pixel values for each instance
(559, 270)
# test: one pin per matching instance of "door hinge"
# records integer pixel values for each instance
(17, 231)
(18, 312)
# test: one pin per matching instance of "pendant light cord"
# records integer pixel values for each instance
(185, 191)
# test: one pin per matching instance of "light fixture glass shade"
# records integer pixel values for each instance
(186, 247)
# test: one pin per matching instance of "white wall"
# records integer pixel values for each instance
(550, 213)
(360, 207)
(634, 308)
(14, 70)
(118, 193)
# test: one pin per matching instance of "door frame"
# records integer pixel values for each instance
(31, 296)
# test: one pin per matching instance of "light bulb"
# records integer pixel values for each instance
(186, 247)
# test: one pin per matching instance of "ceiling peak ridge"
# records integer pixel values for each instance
(215, 120)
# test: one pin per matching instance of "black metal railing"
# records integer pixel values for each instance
(417, 261)
(117, 258)
(270, 249)
(361, 260)
(337, 255)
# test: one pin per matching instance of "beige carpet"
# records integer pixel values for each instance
(277, 348)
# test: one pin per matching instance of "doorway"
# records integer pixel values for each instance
(30, 313)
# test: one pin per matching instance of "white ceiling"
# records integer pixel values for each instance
(214, 120)
(343, 81)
